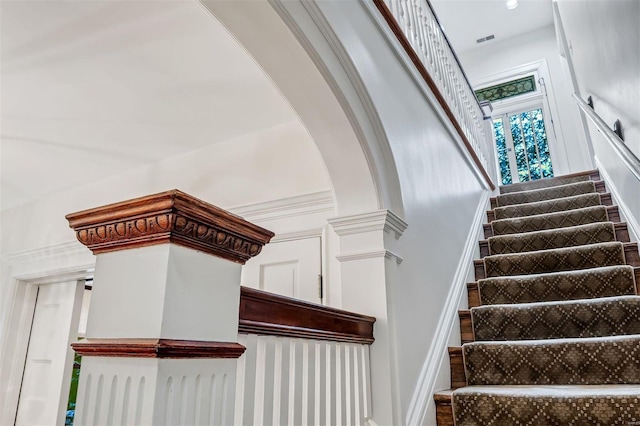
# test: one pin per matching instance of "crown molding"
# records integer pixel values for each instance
(169, 217)
(381, 220)
(316, 202)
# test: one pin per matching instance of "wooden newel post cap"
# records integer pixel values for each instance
(169, 217)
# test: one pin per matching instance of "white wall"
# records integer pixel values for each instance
(604, 43)
(493, 58)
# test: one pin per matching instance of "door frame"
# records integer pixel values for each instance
(526, 104)
(28, 270)
(539, 69)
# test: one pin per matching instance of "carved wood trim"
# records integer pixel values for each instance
(170, 216)
(397, 31)
(157, 348)
(271, 314)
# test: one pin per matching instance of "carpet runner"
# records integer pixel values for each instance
(556, 338)
(548, 206)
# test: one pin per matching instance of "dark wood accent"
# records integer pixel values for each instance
(613, 215)
(272, 314)
(444, 407)
(637, 278)
(397, 31)
(458, 376)
(157, 348)
(478, 268)
(631, 255)
(600, 189)
(466, 327)
(593, 175)
(621, 229)
(473, 295)
(169, 217)
(605, 200)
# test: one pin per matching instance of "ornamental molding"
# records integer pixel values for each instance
(169, 217)
(381, 220)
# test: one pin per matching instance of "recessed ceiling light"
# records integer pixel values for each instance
(512, 4)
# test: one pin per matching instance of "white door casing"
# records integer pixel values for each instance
(47, 370)
(290, 268)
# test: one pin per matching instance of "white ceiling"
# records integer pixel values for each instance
(465, 21)
(92, 89)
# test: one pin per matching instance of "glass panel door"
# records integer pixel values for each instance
(523, 146)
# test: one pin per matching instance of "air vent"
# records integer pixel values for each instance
(487, 38)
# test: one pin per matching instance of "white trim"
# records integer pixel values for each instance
(632, 223)
(297, 235)
(287, 207)
(381, 220)
(376, 254)
(422, 397)
(68, 248)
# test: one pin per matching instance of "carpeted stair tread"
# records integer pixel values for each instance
(547, 405)
(612, 316)
(543, 183)
(535, 195)
(587, 361)
(548, 206)
(555, 260)
(568, 285)
(554, 220)
(580, 235)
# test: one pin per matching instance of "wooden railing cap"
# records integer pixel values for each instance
(169, 217)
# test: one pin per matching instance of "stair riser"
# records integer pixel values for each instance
(613, 214)
(474, 294)
(622, 235)
(605, 199)
(600, 188)
(630, 253)
(458, 376)
(593, 175)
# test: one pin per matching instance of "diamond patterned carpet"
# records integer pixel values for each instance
(556, 338)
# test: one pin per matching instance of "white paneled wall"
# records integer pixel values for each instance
(290, 381)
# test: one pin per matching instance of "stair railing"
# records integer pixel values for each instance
(304, 363)
(627, 156)
(416, 26)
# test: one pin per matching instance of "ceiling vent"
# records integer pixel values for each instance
(487, 38)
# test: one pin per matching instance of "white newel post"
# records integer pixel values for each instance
(161, 346)
(367, 263)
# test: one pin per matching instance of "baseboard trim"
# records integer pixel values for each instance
(632, 222)
(422, 395)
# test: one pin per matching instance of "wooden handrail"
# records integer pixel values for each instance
(271, 314)
(397, 31)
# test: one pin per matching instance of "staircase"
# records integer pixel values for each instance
(552, 336)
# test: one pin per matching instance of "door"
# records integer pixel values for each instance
(47, 370)
(290, 268)
(523, 145)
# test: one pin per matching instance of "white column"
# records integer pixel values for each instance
(367, 264)
(161, 345)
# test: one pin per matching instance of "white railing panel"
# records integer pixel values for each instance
(293, 381)
(422, 30)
